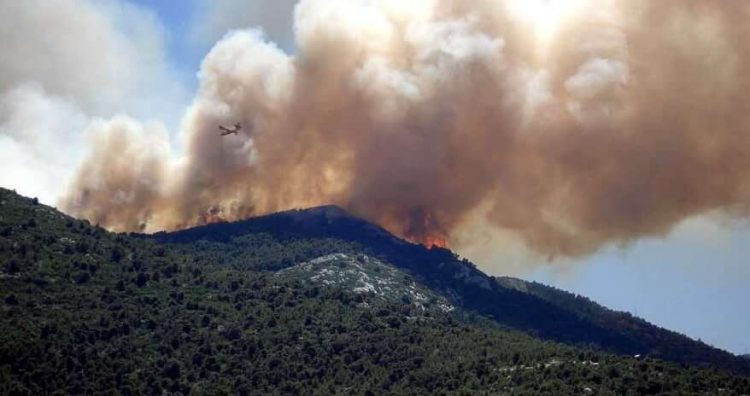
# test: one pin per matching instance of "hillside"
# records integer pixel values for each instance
(532, 308)
(87, 311)
(656, 341)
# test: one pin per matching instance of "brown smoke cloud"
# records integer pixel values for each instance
(614, 122)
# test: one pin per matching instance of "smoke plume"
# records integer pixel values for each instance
(603, 123)
(63, 64)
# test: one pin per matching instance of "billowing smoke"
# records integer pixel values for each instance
(570, 125)
(63, 64)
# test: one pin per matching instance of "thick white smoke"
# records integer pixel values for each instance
(605, 122)
(63, 64)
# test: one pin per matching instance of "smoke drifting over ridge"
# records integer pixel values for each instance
(615, 121)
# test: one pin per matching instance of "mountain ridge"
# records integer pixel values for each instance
(86, 311)
(540, 312)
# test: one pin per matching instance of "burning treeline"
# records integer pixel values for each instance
(614, 121)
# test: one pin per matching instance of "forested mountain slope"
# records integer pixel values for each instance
(533, 309)
(84, 311)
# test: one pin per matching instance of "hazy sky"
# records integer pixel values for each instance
(694, 281)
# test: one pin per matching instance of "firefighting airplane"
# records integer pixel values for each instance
(228, 131)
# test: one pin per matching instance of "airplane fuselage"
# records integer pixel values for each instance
(227, 131)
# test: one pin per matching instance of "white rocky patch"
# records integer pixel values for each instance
(365, 275)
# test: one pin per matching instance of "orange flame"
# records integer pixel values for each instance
(432, 241)
(424, 229)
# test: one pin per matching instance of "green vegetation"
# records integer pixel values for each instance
(84, 311)
(280, 240)
(672, 345)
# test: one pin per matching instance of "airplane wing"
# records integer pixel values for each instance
(226, 131)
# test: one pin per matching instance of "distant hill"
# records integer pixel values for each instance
(654, 340)
(297, 303)
(533, 308)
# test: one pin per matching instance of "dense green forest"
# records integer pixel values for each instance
(535, 309)
(85, 311)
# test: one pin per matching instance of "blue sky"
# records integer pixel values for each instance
(179, 18)
(695, 281)
(692, 282)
